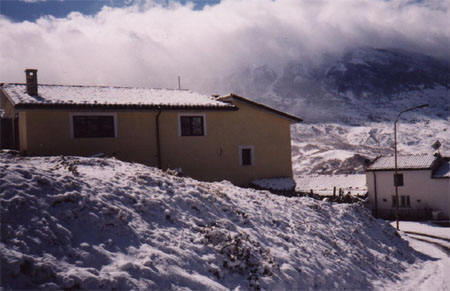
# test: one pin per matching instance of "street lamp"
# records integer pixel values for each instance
(397, 180)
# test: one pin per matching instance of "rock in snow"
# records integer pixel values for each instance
(93, 223)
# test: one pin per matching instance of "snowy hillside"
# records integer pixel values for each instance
(100, 223)
(333, 148)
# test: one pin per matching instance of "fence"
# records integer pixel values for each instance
(403, 213)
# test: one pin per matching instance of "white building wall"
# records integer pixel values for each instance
(424, 191)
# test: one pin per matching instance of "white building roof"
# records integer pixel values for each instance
(403, 162)
(109, 96)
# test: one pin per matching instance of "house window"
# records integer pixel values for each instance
(192, 125)
(246, 155)
(92, 126)
(404, 201)
(398, 179)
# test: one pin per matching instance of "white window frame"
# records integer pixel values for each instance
(194, 114)
(252, 155)
(72, 114)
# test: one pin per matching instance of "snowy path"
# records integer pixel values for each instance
(432, 274)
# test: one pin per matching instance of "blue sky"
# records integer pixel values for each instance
(30, 10)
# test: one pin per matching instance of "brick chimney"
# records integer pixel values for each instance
(32, 84)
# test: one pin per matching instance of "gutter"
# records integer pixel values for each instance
(158, 141)
(67, 106)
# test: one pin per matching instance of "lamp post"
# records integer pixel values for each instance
(396, 179)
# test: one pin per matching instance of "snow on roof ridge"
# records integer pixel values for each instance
(103, 86)
(110, 95)
(407, 155)
(413, 161)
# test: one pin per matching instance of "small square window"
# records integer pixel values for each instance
(398, 179)
(192, 126)
(404, 201)
(246, 156)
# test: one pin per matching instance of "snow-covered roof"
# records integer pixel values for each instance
(403, 162)
(64, 95)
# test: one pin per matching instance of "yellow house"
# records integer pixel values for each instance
(224, 138)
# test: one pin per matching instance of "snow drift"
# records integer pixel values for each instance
(92, 223)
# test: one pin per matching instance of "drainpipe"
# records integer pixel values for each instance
(375, 194)
(13, 126)
(158, 142)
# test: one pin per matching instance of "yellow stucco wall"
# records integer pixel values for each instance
(212, 157)
(216, 156)
(49, 133)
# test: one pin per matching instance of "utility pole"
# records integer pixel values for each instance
(396, 176)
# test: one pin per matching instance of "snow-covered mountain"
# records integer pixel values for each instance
(374, 83)
(89, 223)
(349, 103)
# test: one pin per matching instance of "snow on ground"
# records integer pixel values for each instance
(323, 184)
(429, 275)
(424, 227)
(95, 223)
(277, 184)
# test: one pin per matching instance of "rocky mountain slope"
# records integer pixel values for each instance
(90, 223)
(374, 83)
(349, 103)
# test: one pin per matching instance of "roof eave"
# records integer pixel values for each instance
(399, 169)
(62, 106)
(11, 100)
(292, 118)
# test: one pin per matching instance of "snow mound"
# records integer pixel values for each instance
(277, 184)
(92, 223)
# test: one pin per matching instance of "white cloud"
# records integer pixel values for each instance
(149, 45)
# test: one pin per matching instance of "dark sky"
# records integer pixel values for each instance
(20, 10)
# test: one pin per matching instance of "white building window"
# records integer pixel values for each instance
(404, 201)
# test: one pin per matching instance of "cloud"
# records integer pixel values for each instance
(150, 45)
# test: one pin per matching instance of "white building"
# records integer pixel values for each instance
(425, 191)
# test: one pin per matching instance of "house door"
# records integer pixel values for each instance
(9, 133)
